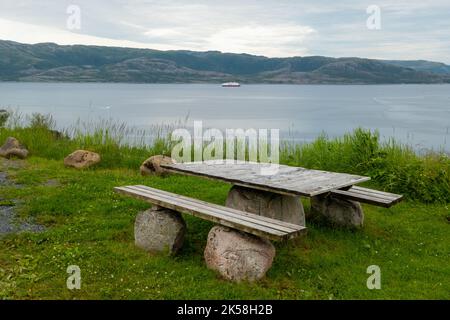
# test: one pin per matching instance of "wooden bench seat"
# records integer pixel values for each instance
(251, 223)
(370, 196)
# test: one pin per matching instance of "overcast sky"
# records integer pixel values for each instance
(410, 29)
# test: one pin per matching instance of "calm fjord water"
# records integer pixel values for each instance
(415, 114)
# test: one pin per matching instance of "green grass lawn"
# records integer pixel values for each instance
(90, 226)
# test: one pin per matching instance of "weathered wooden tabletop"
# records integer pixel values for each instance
(288, 180)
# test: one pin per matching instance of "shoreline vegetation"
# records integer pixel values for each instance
(86, 224)
(393, 167)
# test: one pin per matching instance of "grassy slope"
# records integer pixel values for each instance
(92, 227)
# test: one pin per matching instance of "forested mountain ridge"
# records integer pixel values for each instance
(49, 62)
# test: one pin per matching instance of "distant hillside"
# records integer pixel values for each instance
(422, 65)
(51, 62)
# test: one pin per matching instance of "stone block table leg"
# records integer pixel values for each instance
(268, 204)
(337, 212)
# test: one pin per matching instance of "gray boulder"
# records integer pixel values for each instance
(275, 206)
(238, 256)
(152, 166)
(81, 159)
(13, 148)
(159, 230)
(337, 212)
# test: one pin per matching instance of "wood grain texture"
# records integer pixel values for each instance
(240, 220)
(288, 180)
(370, 196)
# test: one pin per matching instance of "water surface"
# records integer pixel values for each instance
(415, 114)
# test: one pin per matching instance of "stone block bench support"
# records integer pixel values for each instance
(239, 249)
(159, 229)
(337, 212)
(238, 256)
(342, 207)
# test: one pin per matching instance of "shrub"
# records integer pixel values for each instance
(42, 121)
(392, 167)
(4, 115)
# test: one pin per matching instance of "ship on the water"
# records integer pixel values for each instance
(231, 84)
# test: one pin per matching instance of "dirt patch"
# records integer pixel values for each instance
(3, 178)
(52, 183)
(9, 221)
(6, 164)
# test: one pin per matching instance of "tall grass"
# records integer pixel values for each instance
(109, 138)
(393, 167)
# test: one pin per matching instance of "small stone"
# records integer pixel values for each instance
(82, 159)
(238, 256)
(267, 204)
(337, 212)
(152, 166)
(159, 230)
(13, 148)
(52, 183)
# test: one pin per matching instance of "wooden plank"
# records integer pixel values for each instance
(365, 198)
(232, 223)
(264, 183)
(317, 181)
(377, 193)
(295, 181)
(301, 176)
(265, 221)
(367, 194)
(285, 225)
(238, 183)
(375, 196)
(227, 221)
(241, 223)
(268, 222)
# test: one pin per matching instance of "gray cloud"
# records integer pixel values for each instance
(409, 29)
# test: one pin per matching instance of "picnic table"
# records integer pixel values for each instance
(287, 180)
(334, 196)
(259, 207)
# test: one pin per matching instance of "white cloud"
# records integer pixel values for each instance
(271, 40)
(278, 40)
(163, 33)
(29, 33)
